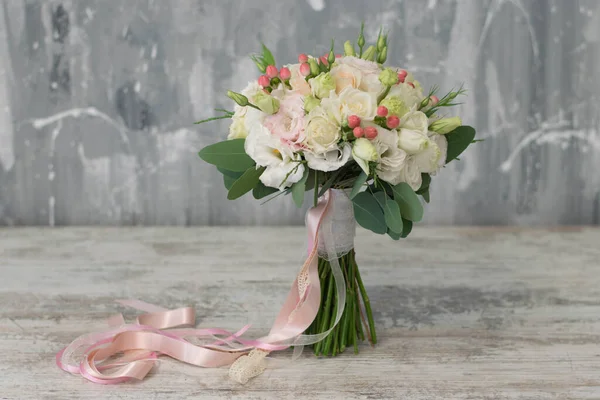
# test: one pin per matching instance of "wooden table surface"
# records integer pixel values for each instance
(462, 313)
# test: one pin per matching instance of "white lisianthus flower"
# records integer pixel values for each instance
(329, 161)
(251, 90)
(322, 130)
(412, 135)
(283, 166)
(391, 159)
(345, 76)
(411, 173)
(410, 96)
(237, 129)
(357, 102)
(363, 152)
(434, 157)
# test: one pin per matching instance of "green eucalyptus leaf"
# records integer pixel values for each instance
(245, 183)
(368, 213)
(299, 188)
(260, 191)
(228, 181)
(229, 155)
(231, 174)
(426, 181)
(391, 212)
(410, 206)
(458, 140)
(406, 227)
(358, 184)
(394, 235)
(425, 196)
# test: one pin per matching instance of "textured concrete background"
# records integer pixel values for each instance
(97, 100)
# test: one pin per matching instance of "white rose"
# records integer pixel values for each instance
(237, 129)
(363, 152)
(357, 102)
(268, 151)
(322, 131)
(345, 76)
(412, 135)
(364, 66)
(329, 161)
(411, 174)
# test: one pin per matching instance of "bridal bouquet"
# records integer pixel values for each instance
(366, 139)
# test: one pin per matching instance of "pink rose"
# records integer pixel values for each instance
(288, 122)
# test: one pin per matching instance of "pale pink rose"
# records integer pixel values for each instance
(298, 81)
(288, 122)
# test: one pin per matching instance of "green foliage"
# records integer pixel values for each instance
(358, 184)
(407, 227)
(410, 206)
(261, 191)
(229, 155)
(391, 212)
(228, 181)
(368, 213)
(299, 188)
(267, 55)
(245, 183)
(458, 140)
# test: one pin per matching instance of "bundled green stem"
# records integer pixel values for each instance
(353, 325)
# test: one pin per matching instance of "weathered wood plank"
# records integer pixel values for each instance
(463, 313)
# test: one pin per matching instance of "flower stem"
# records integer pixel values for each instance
(367, 302)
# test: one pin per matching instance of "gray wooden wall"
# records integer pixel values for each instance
(97, 100)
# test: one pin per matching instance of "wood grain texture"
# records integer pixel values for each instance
(462, 313)
(97, 100)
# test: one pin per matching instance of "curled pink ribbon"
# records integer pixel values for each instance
(129, 351)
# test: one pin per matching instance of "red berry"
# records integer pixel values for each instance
(285, 73)
(305, 69)
(402, 76)
(353, 121)
(434, 100)
(412, 85)
(272, 71)
(393, 121)
(358, 132)
(323, 60)
(382, 111)
(302, 58)
(370, 132)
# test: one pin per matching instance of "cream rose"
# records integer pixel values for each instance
(357, 102)
(322, 131)
(237, 129)
(363, 152)
(297, 81)
(412, 135)
(345, 76)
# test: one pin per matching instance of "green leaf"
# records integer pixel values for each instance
(425, 196)
(310, 182)
(391, 212)
(410, 206)
(358, 184)
(267, 55)
(368, 213)
(231, 174)
(407, 227)
(299, 188)
(426, 178)
(229, 155)
(330, 182)
(260, 191)
(394, 235)
(458, 140)
(245, 183)
(228, 181)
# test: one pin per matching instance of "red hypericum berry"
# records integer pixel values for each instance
(302, 58)
(323, 60)
(434, 100)
(272, 71)
(353, 121)
(402, 76)
(338, 56)
(393, 122)
(358, 132)
(305, 69)
(382, 111)
(370, 132)
(285, 73)
(264, 81)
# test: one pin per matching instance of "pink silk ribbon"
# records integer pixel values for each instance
(129, 351)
